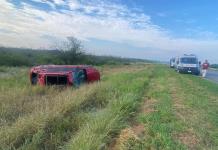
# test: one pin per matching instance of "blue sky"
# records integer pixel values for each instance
(150, 29)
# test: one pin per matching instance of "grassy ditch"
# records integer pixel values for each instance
(179, 112)
(133, 107)
(50, 118)
(105, 123)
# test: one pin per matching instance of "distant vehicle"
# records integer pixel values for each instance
(63, 75)
(188, 64)
(172, 62)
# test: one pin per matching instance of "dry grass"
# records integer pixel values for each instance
(148, 106)
(174, 114)
(30, 114)
(44, 110)
(188, 138)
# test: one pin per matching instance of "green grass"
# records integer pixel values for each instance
(50, 118)
(184, 113)
(121, 105)
(177, 111)
(201, 97)
(160, 122)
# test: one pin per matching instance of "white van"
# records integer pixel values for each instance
(172, 62)
(188, 64)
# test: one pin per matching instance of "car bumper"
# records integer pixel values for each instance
(189, 70)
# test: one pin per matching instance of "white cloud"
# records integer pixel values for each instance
(51, 3)
(74, 4)
(59, 2)
(113, 23)
(100, 20)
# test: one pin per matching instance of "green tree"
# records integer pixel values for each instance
(72, 51)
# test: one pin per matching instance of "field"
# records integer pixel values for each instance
(138, 106)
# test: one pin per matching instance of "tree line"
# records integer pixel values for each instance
(69, 53)
(214, 66)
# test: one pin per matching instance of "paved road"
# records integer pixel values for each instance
(212, 75)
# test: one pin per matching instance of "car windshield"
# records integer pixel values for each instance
(188, 60)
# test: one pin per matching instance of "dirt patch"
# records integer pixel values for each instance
(148, 106)
(149, 110)
(188, 138)
(124, 136)
(136, 131)
(178, 105)
(128, 133)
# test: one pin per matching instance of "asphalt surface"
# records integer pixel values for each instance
(212, 75)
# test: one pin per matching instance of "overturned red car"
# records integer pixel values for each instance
(71, 75)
